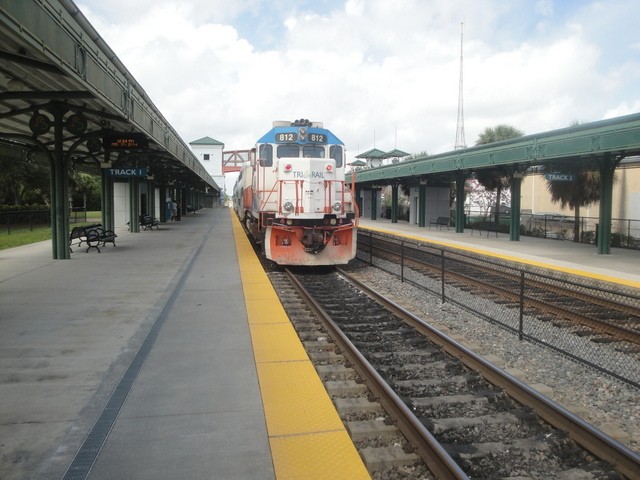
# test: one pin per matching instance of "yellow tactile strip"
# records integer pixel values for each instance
(307, 438)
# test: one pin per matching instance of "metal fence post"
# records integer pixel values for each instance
(370, 248)
(442, 274)
(520, 326)
(402, 261)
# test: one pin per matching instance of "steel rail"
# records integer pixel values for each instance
(427, 447)
(601, 445)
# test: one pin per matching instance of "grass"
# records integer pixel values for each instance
(22, 235)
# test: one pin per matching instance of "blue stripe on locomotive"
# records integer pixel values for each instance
(270, 136)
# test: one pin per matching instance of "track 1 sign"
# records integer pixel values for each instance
(127, 172)
(560, 177)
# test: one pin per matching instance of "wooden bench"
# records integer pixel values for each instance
(486, 226)
(147, 222)
(80, 234)
(99, 235)
(440, 222)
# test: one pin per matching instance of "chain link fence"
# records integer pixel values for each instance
(535, 305)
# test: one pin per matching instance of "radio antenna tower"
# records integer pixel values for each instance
(460, 141)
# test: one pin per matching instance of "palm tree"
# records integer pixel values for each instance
(493, 179)
(498, 133)
(582, 191)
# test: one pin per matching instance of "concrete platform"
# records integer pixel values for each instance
(167, 356)
(622, 266)
(71, 328)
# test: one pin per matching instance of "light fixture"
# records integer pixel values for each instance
(94, 144)
(39, 123)
(76, 123)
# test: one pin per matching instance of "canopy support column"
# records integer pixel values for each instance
(460, 194)
(422, 206)
(134, 204)
(394, 203)
(59, 190)
(607, 170)
(374, 206)
(107, 193)
(516, 194)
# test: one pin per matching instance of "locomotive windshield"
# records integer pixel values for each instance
(288, 151)
(308, 151)
(266, 155)
(335, 152)
(313, 151)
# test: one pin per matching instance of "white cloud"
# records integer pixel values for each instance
(228, 69)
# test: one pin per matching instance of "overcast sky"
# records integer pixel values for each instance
(378, 73)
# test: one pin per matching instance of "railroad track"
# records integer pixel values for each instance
(608, 316)
(457, 412)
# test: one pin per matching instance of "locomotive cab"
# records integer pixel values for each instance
(303, 211)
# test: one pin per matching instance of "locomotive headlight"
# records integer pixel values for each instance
(288, 206)
(333, 221)
(329, 168)
(288, 167)
(337, 206)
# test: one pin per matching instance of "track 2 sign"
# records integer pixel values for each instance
(560, 177)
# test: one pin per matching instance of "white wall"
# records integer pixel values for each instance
(436, 204)
(120, 204)
(213, 166)
(366, 196)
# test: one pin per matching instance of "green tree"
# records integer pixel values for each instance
(86, 190)
(495, 179)
(23, 182)
(581, 192)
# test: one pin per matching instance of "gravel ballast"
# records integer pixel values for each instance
(608, 404)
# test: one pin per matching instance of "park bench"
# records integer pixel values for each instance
(440, 222)
(484, 226)
(99, 235)
(147, 222)
(80, 234)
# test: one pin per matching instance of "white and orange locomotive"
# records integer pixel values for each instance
(293, 199)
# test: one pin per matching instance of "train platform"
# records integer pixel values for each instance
(167, 356)
(621, 266)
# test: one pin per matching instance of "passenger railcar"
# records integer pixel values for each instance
(293, 198)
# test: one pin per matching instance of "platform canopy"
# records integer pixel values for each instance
(583, 146)
(64, 92)
(599, 146)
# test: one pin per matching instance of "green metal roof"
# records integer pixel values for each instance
(583, 143)
(373, 153)
(395, 153)
(206, 141)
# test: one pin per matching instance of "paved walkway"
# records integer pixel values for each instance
(71, 328)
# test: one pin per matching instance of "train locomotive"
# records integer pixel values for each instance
(293, 199)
